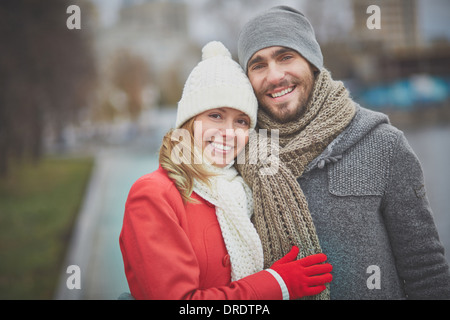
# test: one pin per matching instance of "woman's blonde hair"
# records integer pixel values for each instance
(182, 168)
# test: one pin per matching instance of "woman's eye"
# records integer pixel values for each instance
(243, 122)
(215, 115)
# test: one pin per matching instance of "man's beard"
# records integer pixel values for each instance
(282, 114)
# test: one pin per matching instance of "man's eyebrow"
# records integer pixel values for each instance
(255, 60)
(281, 51)
(258, 58)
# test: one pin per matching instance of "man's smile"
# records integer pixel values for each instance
(281, 92)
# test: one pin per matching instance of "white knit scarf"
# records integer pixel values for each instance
(234, 207)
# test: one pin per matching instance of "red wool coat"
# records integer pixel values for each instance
(173, 250)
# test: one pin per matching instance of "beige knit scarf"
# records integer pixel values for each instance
(232, 198)
(281, 215)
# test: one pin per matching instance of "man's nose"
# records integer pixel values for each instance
(275, 74)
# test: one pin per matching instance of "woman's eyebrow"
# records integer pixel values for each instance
(225, 111)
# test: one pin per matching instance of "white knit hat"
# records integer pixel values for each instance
(217, 81)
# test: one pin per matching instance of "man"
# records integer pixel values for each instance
(347, 182)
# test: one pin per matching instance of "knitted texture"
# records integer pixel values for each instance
(279, 26)
(384, 221)
(281, 214)
(367, 154)
(234, 206)
(217, 81)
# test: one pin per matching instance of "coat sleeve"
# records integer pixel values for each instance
(159, 259)
(414, 238)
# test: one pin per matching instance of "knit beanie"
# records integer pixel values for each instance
(279, 26)
(217, 81)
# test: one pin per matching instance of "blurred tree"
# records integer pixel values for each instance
(47, 74)
(130, 73)
(171, 87)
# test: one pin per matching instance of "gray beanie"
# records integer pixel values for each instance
(279, 26)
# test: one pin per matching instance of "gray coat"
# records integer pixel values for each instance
(367, 198)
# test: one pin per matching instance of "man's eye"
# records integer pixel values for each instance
(286, 58)
(257, 67)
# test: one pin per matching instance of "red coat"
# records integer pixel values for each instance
(172, 250)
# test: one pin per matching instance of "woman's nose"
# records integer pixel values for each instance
(228, 130)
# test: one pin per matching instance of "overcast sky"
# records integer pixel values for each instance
(434, 16)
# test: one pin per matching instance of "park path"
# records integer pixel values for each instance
(95, 244)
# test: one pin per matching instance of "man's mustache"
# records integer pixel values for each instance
(283, 84)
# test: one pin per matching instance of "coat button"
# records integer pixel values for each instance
(226, 260)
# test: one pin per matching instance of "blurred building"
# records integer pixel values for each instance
(377, 49)
(157, 32)
(396, 50)
(399, 24)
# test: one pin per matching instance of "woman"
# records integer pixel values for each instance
(187, 232)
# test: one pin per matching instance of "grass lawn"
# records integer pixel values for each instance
(38, 206)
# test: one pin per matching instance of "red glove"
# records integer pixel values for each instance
(303, 277)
